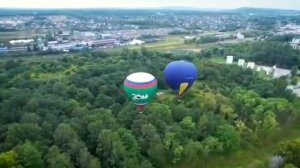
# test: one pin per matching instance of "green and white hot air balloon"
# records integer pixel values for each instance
(140, 87)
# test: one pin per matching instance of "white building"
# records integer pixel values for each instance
(296, 43)
(258, 68)
(106, 36)
(102, 43)
(251, 65)
(52, 43)
(296, 40)
(241, 62)
(14, 42)
(289, 29)
(136, 42)
(63, 47)
(189, 37)
(65, 33)
(88, 35)
(267, 69)
(240, 36)
(229, 59)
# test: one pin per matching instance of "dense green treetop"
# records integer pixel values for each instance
(73, 112)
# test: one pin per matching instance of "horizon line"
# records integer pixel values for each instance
(145, 8)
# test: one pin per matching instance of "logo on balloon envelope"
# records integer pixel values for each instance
(139, 97)
(183, 87)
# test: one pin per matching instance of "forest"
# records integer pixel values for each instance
(72, 112)
(271, 52)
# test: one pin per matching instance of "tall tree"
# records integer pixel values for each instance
(290, 151)
(8, 159)
(294, 81)
(294, 71)
(111, 149)
(267, 126)
(229, 137)
(63, 135)
(29, 156)
(56, 158)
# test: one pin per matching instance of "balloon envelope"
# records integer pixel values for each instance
(140, 88)
(180, 75)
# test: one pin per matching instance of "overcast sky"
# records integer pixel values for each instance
(212, 4)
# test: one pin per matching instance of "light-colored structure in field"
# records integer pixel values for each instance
(241, 62)
(295, 89)
(240, 36)
(88, 34)
(258, 68)
(296, 40)
(229, 59)
(14, 42)
(189, 37)
(251, 65)
(136, 42)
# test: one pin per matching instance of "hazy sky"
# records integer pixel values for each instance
(283, 4)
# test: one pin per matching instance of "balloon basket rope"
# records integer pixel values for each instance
(178, 98)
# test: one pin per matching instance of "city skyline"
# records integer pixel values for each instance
(201, 4)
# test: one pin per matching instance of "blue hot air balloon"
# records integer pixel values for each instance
(180, 75)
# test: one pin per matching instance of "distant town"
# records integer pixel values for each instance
(65, 32)
(150, 88)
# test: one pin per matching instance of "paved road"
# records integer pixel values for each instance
(278, 71)
(297, 91)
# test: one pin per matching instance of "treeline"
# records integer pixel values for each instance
(3, 29)
(282, 38)
(73, 112)
(263, 52)
(207, 39)
(202, 40)
(180, 32)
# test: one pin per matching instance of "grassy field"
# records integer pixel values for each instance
(39, 58)
(177, 42)
(57, 75)
(5, 36)
(170, 43)
(167, 43)
(218, 60)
